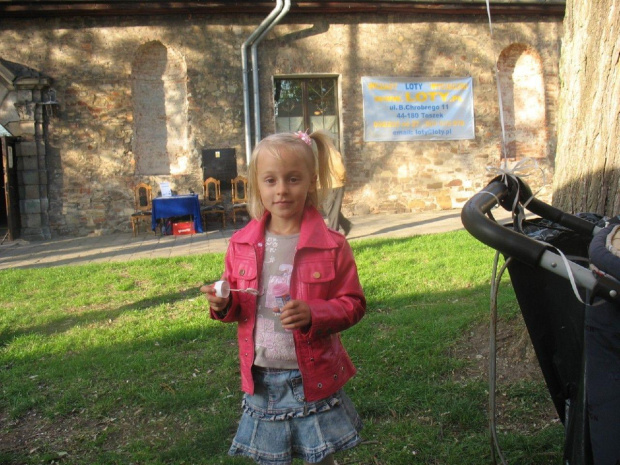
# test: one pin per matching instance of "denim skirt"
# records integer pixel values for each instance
(277, 424)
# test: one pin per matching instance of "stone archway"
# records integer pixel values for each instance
(22, 113)
(523, 97)
(159, 91)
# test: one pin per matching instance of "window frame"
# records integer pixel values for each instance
(306, 103)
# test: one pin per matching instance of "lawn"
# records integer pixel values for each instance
(119, 363)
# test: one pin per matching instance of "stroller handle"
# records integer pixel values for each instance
(529, 251)
(478, 224)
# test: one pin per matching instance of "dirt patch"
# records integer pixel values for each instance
(516, 363)
(515, 360)
(32, 433)
(37, 436)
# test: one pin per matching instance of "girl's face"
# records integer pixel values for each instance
(283, 184)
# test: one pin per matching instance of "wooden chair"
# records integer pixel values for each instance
(212, 201)
(239, 195)
(142, 205)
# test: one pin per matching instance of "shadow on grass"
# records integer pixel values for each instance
(90, 317)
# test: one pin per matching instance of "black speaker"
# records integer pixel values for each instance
(220, 164)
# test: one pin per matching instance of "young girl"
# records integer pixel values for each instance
(293, 364)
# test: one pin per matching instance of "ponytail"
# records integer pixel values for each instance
(324, 148)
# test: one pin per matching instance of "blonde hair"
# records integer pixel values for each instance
(316, 160)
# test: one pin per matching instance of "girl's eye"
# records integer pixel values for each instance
(294, 179)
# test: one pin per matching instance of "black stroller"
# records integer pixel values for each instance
(564, 271)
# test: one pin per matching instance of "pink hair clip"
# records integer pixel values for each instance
(304, 136)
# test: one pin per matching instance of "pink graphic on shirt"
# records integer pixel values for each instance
(275, 281)
(281, 294)
(278, 345)
(280, 289)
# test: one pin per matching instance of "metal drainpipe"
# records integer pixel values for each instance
(244, 66)
(254, 57)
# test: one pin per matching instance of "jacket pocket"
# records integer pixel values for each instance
(315, 278)
(243, 276)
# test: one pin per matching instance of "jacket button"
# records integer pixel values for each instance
(242, 272)
(316, 275)
(312, 359)
(320, 385)
(335, 376)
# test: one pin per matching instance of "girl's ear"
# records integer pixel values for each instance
(313, 183)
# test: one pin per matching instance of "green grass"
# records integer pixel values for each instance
(119, 363)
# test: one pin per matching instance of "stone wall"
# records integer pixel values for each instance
(425, 175)
(91, 150)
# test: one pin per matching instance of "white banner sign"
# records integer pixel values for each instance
(402, 109)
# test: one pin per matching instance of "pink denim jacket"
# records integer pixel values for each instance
(325, 276)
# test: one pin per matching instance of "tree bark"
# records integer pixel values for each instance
(587, 163)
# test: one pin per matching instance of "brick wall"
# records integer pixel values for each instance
(91, 159)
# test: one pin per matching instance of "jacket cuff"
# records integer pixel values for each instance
(221, 314)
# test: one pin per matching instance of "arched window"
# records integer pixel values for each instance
(523, 99)
(159, 90)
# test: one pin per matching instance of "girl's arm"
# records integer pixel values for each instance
(223, 309)
(219, 306)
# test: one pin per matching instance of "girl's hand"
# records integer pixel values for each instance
(295, 315)
(218, 304)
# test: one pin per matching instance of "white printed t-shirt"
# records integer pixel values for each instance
(274, 346)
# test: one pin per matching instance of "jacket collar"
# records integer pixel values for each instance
(313, 234)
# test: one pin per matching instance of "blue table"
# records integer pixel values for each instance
(178, 205)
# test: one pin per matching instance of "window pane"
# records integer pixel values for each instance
(321, 93)
(288, 98)
(322, 106)
(289, 124)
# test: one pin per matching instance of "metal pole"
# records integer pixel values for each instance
(244, 67)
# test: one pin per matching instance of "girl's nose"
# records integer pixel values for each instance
(282, 188)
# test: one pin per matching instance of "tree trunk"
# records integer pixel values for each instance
(587, 164)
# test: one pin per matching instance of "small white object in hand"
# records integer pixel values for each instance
(222, 289)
